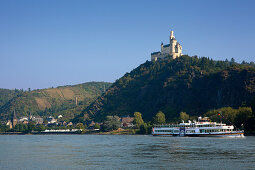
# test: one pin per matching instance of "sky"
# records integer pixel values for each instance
(51, 43)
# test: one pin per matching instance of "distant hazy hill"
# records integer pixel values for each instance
(52, 101)
(190, 84)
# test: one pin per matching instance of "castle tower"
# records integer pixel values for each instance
(173, 43)
(175, 47)
(171, 35)
(162, 46)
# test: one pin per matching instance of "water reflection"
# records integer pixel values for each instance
(125, 152)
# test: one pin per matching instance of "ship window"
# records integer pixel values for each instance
(202, 131)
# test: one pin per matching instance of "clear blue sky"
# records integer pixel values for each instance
(50, 43)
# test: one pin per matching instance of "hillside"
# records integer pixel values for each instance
(53, 101)
(190, 84)
(6, 95)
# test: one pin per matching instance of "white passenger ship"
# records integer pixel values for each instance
(202, 127)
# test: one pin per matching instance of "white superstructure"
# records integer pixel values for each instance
(202, 127)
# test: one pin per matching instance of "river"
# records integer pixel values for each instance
(125, 152)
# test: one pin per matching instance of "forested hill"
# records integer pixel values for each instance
(51, 101)
(6, 95)
(190, 84)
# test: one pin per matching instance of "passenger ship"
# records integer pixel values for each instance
(202, 127)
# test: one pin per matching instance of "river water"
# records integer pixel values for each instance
(125, 152)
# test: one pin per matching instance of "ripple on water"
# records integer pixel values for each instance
(125, 152)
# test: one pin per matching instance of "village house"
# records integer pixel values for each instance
(127, 121)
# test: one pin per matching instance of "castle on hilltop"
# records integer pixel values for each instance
(173, 49)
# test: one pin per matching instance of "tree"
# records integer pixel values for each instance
(97, 126)
(79, 126)
(160, 118)
(111, 123)
(40, 128)
(143, 129)
(242, 116)
(21, 127)
(31, 126)
(184, 116)
(16, 128)
(138, 120)
(233, 60)
(227, 115)
(4, 128)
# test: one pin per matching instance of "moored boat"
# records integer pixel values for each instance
(202, 127)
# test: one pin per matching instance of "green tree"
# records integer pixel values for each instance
(227, 115)
(21, 127)
(138, 120)
(30, 126)
(4, 128)
(16, 128)
(111, 123)
(143, 129)
(159, 118)
(40, 128)
(184, 116)
(242, 116)
(80, 126)
(97, 126)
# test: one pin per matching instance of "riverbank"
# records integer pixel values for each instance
(119, 131)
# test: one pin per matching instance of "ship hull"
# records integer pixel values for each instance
(237, 134)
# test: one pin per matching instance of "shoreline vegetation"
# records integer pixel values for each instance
(242, 118)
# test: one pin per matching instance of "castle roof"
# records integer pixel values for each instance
(167, 45)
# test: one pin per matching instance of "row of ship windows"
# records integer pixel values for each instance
(193, 131)
(171, 131)
(215, 130)
(170, 126)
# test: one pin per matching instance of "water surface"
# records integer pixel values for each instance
(125, 152)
